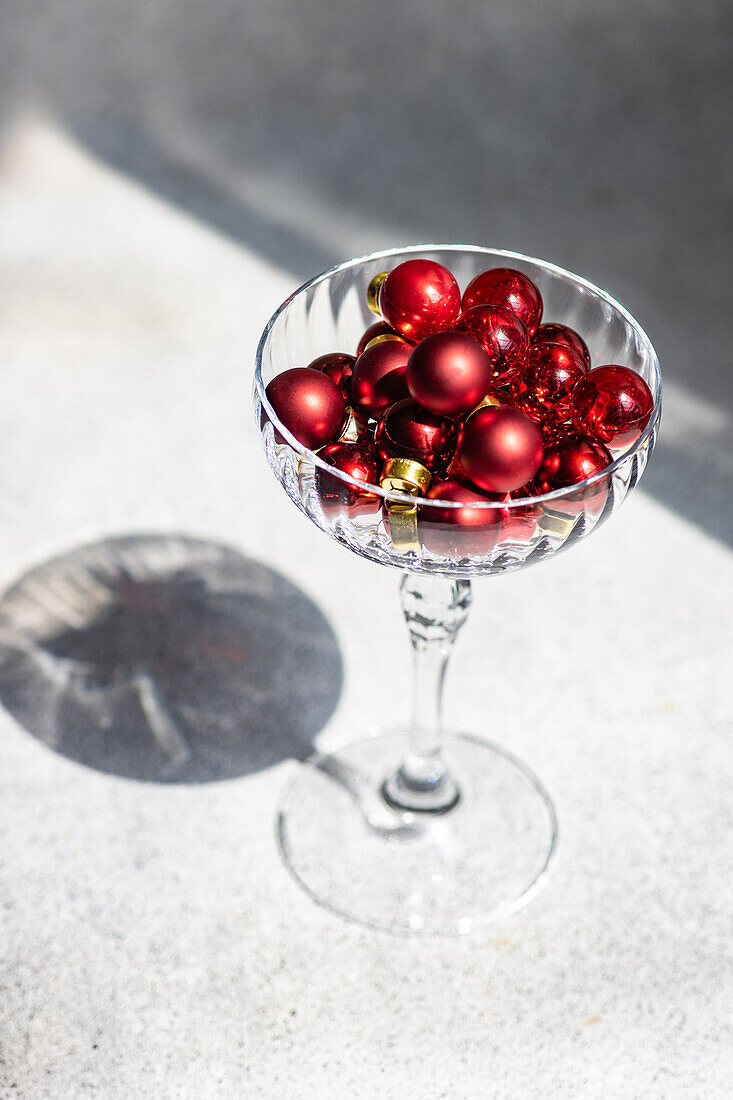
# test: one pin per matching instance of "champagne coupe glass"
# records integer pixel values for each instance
(422, 829)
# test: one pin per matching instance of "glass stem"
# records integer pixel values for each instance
(435, 608)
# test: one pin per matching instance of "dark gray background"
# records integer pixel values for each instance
(595, 135)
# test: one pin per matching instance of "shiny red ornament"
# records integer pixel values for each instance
(379, 379)
(503, 286)
(420, 297)
(406, 430)
(568, 462)
(519, 521)
(518, 397)
(562, 334)
(548, 381)
(358, 461)
(502, 334)
(612, 404)
(308, 404)
(379, 328)
(448, 373)
(455, 471)
(500, 449)
(339, 368)
(553, 431)
(551, 428)
(457, 532)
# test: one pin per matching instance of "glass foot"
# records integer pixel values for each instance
(418, 873)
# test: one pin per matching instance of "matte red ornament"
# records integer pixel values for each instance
(406, 430)
(551, 374)
(612, 404)
(501, 398)
(339, 368)
(500, 449)
(568, 462)
(379, 328)
(518, 521)
(502, 334)
(457, 532)
(308, 404)
(420, 297)
(448, 373)
(358, 461)
(378, 379)
(503, 286)
(562, 334)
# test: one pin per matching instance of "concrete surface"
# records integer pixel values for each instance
(151, 942)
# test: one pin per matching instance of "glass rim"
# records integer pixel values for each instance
(558, 495)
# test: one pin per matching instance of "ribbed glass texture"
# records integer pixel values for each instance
(329, 313)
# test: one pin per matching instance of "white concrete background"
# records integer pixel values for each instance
(151, 942)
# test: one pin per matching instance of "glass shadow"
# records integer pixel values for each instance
(167, 659)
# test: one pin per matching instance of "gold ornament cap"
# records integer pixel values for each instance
(400, 519)
(385, 336)
(488, 402)
(405, 475)
(372, 294)
(353, 427)
(556, 523)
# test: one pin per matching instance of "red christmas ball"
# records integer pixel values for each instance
(500, 449)
(553, 431)
(503, 336)
(456, 532)
(308, 404)
(519, 521)
(551, 374)
(503, 286)
(551, 428)
(358, 461)
(455, 471)
(568, 462)
(406, 430)
(612, 404)
(339, 368)
(518, 398)
(378, 379)
(379, 328)
(420, 297)
(562, 334)
(448, 373)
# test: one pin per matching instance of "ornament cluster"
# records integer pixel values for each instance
(459, 398)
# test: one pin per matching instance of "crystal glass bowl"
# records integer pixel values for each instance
(329, 313)
(418, 830)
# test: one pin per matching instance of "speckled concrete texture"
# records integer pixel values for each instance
(152, 945)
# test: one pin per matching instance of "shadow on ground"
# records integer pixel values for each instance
(167, 659)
